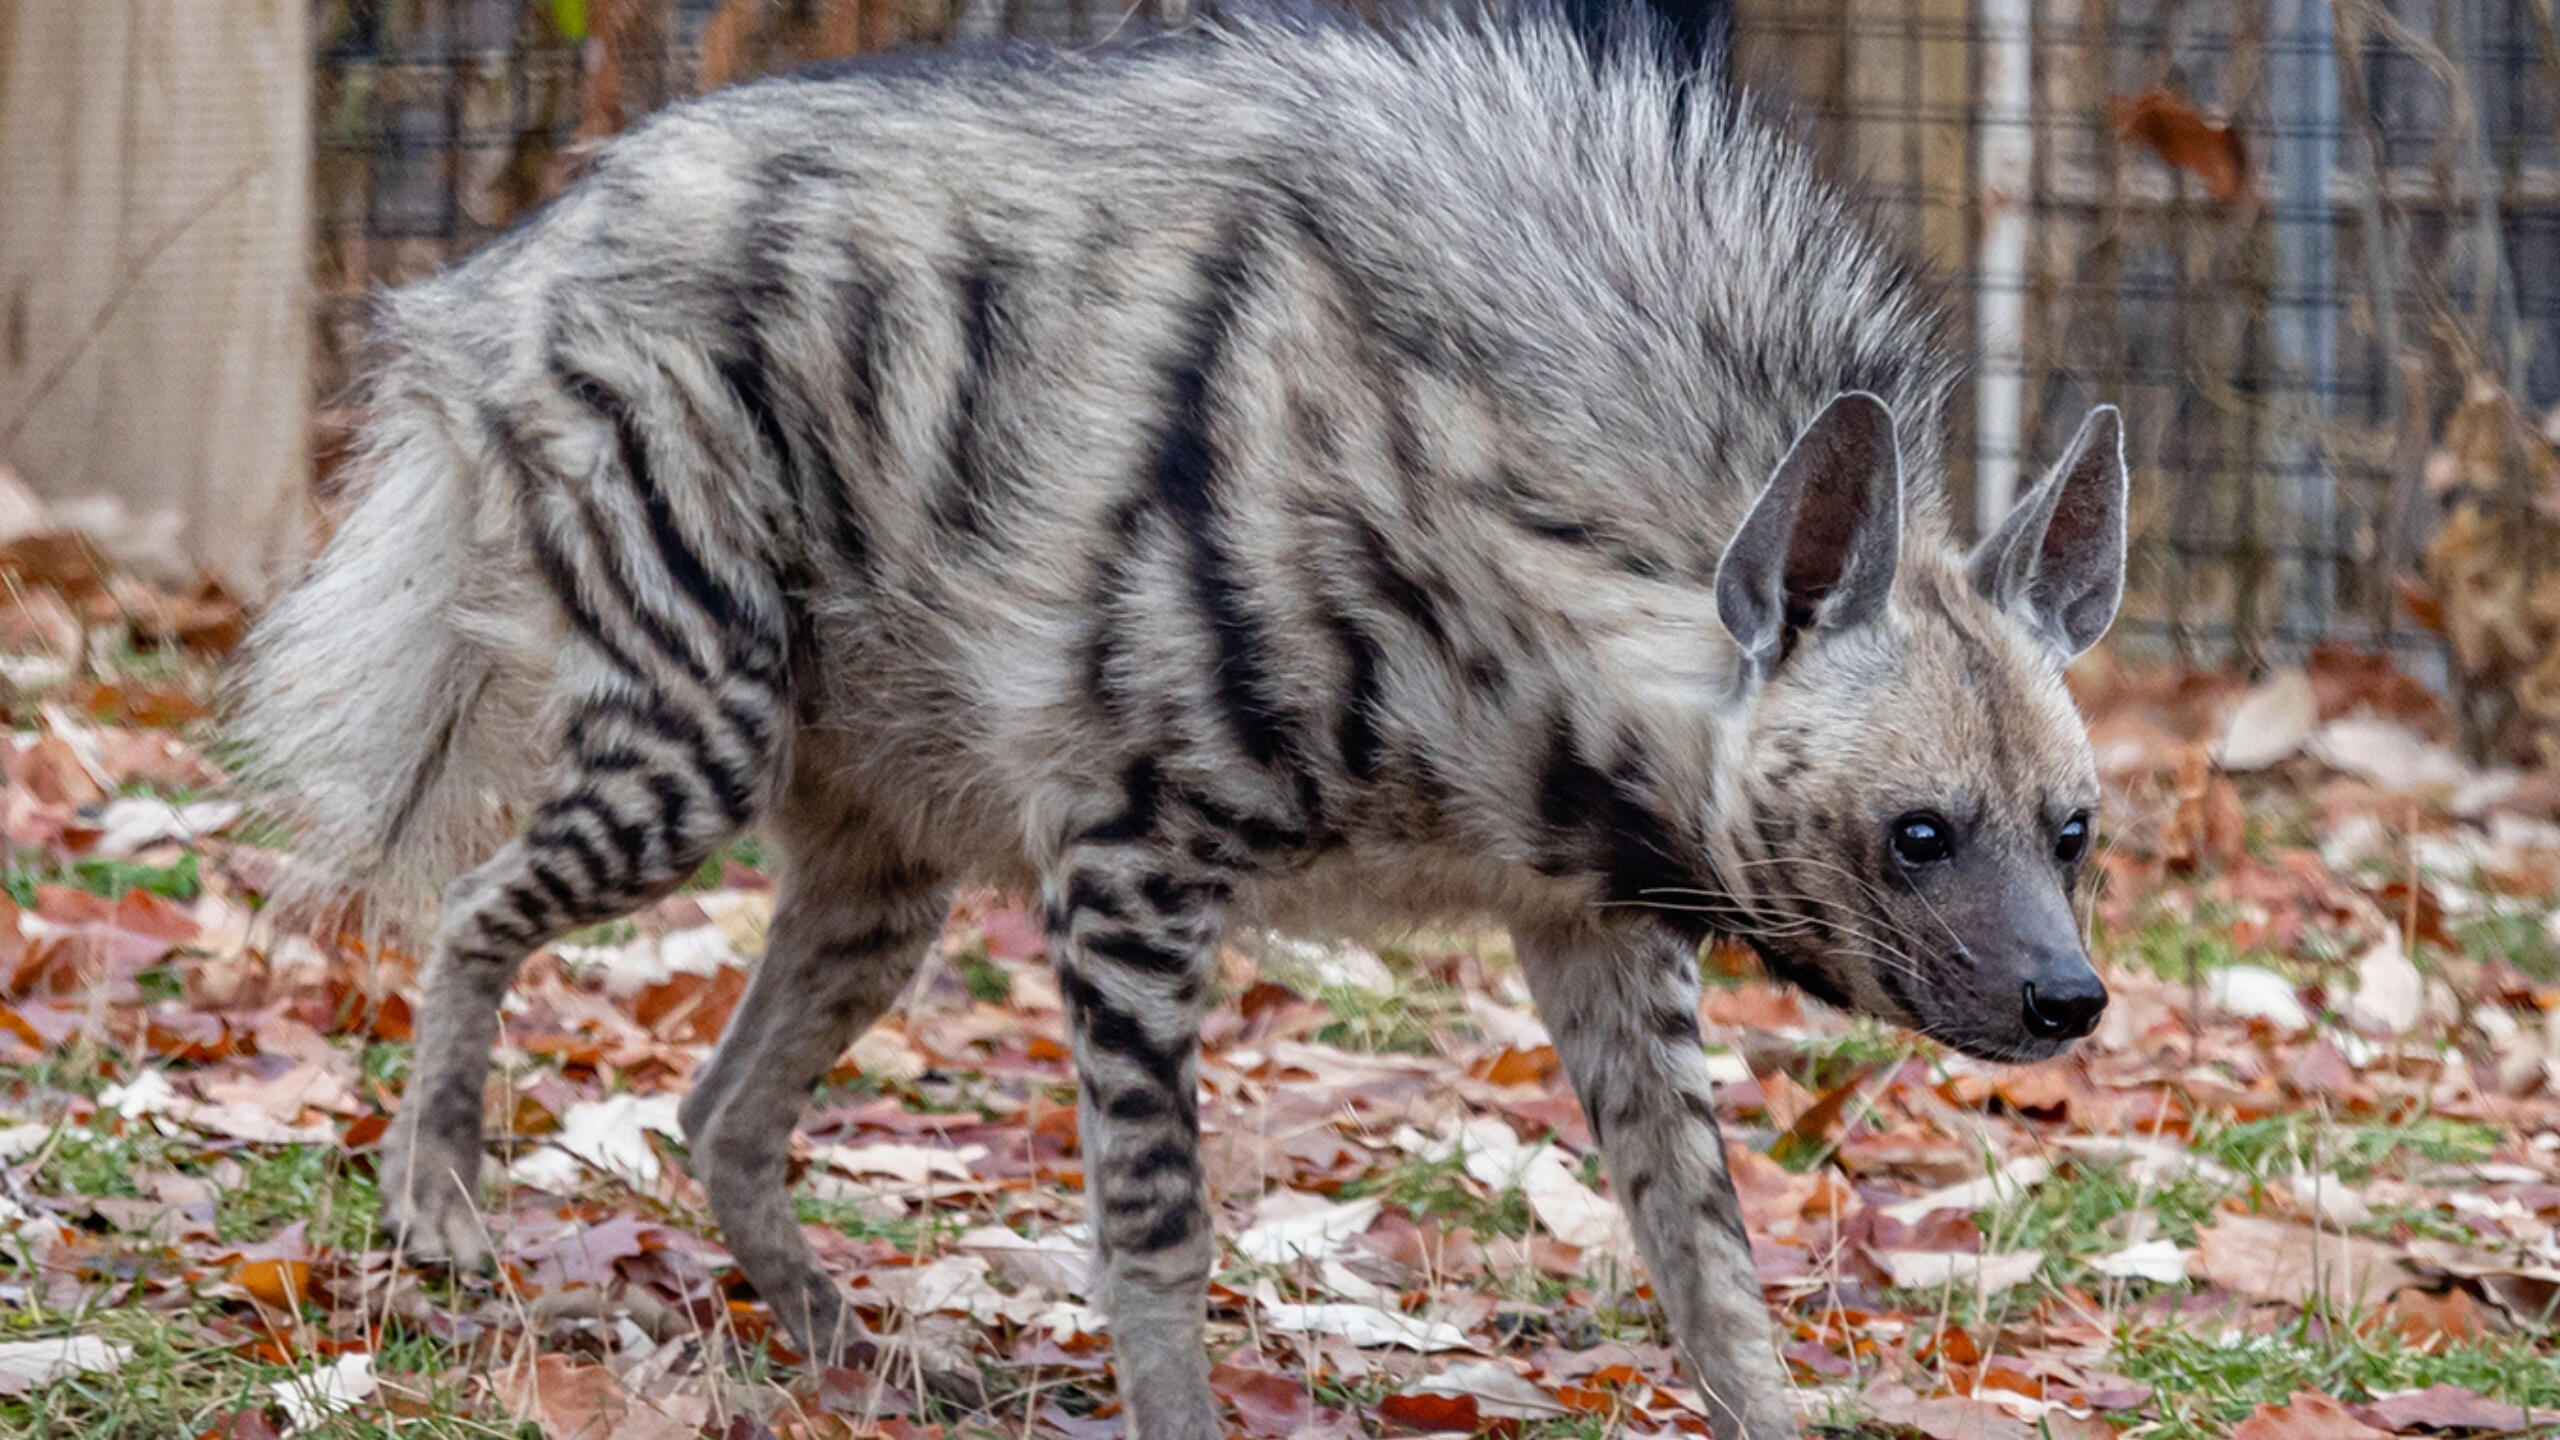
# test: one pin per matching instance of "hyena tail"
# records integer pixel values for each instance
(386, 702)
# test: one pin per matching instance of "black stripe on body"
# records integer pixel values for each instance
(728, 613)
(1141, 791)
(966, 505)
(1355, 729)
(1400, 589)
(1126, 524)
(1512, 498)
(1187, 474)
(1600, 822)
(1140, 953)
(662, 633)
(560, 573)
(866, 336)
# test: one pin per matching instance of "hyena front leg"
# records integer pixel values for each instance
(1623, 1007)
(1134, 933)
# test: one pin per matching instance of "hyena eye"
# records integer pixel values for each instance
(1921, 838)
(2072, 840)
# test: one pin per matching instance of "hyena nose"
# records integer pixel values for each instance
(2065, 999)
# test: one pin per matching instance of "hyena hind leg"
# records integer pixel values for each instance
(1133, 930)
(1623, 1007)
(652, 788)
(855, 919)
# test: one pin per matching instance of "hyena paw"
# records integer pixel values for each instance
(947, 1376)
(428, 1211)
(839, 1337)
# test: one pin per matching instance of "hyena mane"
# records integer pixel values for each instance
(1287, 473)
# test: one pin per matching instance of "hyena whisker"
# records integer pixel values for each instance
(1253, 477)
(1869, 887)
(1883, 951)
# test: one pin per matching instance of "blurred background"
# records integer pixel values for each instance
(2304, 1183)
(2311, 246)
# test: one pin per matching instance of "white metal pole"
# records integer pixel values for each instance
(2004, 123)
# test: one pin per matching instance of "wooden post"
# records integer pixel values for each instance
(155, 244)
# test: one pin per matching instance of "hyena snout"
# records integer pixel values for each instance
(2061, 998)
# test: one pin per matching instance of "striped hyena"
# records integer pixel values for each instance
(1291, 475)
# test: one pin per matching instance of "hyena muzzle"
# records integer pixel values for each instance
(1288, 476)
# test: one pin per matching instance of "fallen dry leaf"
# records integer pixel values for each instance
(313, 1395)
(2160, 1261)
(1497, 1390)
(2307, 1416)
(2172, 128)
(2452, 1407)
(1985, 1274)
(571, 1400)
(25, 1364)
(2266, 1259)
(1364, 1325)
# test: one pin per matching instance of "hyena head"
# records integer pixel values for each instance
(1915, 795)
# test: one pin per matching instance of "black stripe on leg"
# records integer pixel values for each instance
(1722, 1209)
(1166, 1157)
(568, 840)
(1087, 894)
(1141, 1104)
(1115, 1031)
(1140, 953)
(675, 817)
(732, 790)
(629, 841)
(516, 930)
(1179, 1222)
(565, 899)
(1171, 896)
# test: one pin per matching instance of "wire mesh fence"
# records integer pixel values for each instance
(2311, 246)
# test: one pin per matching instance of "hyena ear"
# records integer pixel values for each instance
(1820, 545)
(2057, 561)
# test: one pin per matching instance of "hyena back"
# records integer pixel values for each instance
(1290, 476)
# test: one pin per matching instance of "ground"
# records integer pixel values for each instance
(2301, 1186)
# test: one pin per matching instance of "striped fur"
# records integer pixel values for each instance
(1286, 476)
